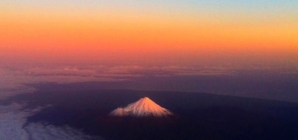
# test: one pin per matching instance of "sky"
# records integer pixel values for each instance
(117, 40)
(149, 33)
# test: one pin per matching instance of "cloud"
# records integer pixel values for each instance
(11, 85)
(13, 120)
(14, 80)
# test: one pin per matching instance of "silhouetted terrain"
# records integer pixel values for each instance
(197, 115)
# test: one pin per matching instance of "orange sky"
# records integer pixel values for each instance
(113, 36)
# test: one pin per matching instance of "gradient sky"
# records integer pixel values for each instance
(131, 32)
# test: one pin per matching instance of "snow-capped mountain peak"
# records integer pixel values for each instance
(142, 108)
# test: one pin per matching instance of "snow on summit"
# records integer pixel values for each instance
(142, 108)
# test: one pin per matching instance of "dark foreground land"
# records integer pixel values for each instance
(198, 115)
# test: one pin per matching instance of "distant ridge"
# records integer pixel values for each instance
(144, 107)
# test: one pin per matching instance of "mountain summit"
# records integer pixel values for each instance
(142, 108)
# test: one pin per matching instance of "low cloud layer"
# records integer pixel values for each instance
(14, 127)
(14, 79)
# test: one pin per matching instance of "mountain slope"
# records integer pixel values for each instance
(142, 108)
